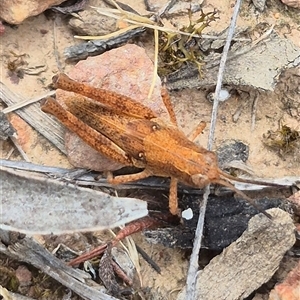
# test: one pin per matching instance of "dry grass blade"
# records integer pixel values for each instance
(135, 19)
(26, 102)
(155, 63)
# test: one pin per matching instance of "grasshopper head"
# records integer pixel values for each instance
(208, 170)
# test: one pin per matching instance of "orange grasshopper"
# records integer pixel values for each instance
(133, 135)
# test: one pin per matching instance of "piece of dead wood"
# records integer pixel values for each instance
(249, 262)
(32, 114)
(29, 251)
(96, 47)
(269, 57)
(7, 295)
(35, 204)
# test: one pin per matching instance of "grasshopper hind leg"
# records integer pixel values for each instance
(120, 179)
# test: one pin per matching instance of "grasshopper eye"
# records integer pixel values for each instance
(155, 127)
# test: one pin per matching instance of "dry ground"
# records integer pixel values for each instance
(43, 41)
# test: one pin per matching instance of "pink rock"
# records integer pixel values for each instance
(290, 288)
(126, 70)
(16, 11)
(2, 28)
(294, 4)
(24, 276)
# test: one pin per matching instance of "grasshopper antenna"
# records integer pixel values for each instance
(243, 195)
(230, 177)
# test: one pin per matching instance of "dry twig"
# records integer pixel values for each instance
(193, 268)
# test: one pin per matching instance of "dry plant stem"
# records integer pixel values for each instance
(21, 151)
(121, 274)
(253, 113)
(237, 113)
(107, 36)
(155, 63)
(55, 51)
(142, 22)
(193, 268)
(133, 227)
(24, 103)
(148, 259)
(17, 106)
(10, 153)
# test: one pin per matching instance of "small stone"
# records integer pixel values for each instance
(179, 8)
(290, 288)
(90, 22)
(24, 276)
(277, 16)
(292, 3)
(16, 11)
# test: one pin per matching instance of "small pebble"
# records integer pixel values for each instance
(187, 214)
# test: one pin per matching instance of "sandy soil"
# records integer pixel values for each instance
(43, 41)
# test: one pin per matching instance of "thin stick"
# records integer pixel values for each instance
(193, 268)
(10, 153)
(26, 102)
(55, 50)
(21, 151)
(253, 113)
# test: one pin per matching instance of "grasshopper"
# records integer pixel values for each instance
(132, 134)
